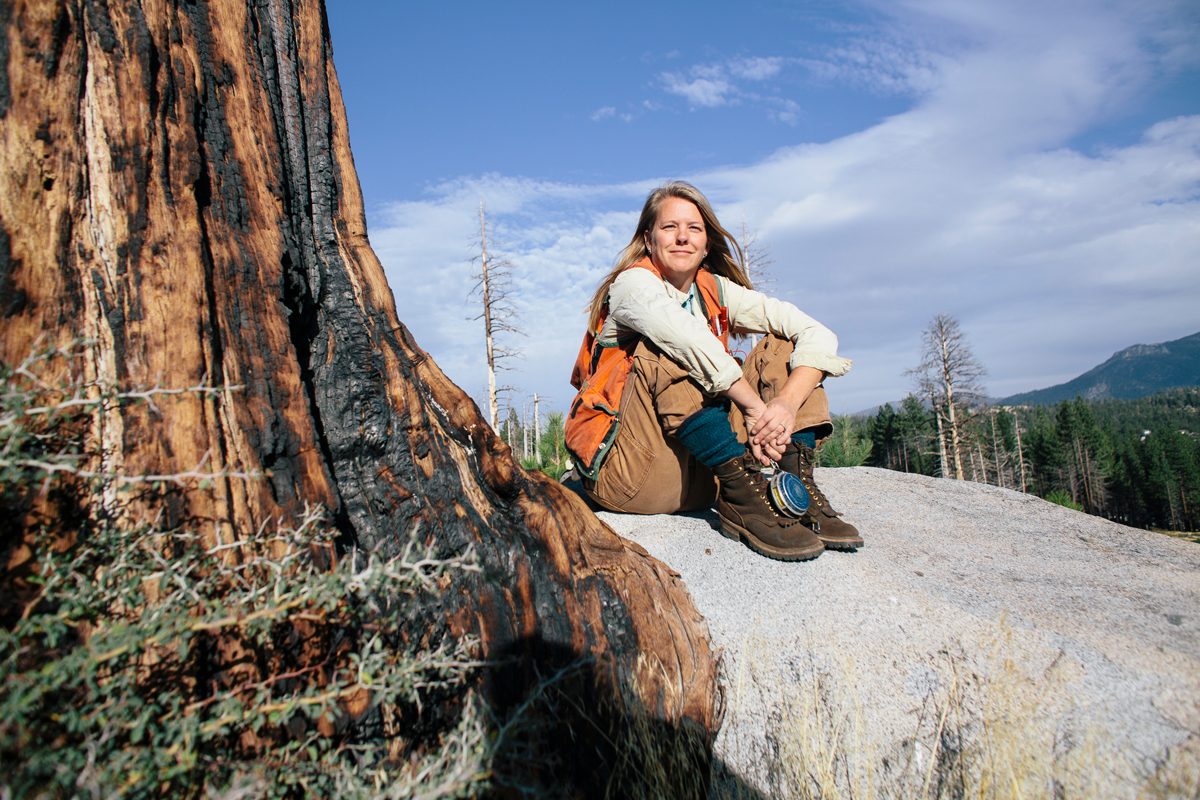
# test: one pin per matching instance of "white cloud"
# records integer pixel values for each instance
(786, 111)
(560, 240)
(755, 69)
(898, 60)
(603, 113)
(713, 85)
(970, 203)
(704, 92)
(879, 66)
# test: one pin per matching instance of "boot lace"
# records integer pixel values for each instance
(808, 458)
(754, 472)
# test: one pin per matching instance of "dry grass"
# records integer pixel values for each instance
(574, 736)
(821, 744)
(985, 729)
(1188, 536)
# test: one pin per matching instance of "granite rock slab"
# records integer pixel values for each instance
(981, 637)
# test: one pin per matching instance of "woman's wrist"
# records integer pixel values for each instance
(744, 397)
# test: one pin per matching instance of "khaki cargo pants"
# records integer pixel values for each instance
(648, 470)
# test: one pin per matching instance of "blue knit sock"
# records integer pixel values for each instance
(807, 438)
(707, 435)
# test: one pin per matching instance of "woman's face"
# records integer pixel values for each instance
(678, 242)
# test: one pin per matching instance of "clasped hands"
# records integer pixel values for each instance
(770, 427)
(770, 424)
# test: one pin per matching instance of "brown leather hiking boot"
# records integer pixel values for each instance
(746, 514)
(825, 522)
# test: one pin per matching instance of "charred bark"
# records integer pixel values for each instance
(176, 184)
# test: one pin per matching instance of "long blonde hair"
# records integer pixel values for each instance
(719, 261)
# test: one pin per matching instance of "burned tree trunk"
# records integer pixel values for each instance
(176, 185)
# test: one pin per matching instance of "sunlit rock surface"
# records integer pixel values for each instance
(981, 637)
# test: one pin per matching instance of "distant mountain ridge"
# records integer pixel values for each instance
(1134, 372)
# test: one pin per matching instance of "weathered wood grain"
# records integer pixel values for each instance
(176, 183)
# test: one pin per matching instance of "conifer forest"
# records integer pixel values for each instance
(1136, 462)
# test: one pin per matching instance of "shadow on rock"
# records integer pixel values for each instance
(564, 731)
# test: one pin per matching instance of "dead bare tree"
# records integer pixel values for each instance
(996, 453)
(757, 259)
(950, 378)
(493, 290)
(1020, 452)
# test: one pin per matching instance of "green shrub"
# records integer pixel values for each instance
(1063, 498)
(849, 446)
(553, 444)
(551, 469)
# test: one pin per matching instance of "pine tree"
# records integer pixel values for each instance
(1086, 455)
(554, 448)
(916, 436)
(886, 442)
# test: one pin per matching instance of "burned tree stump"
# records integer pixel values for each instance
(176, 184)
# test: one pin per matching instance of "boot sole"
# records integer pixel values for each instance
(831, 543)
(841, 544)
(736, 532)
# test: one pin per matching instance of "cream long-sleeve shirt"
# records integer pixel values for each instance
(642, 303)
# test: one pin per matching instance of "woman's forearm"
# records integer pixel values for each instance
(744, 397)
(753, 408)
(799, 385)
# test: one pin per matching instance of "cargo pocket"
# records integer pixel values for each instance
(590, 432)
(594, 421)
(624, 471)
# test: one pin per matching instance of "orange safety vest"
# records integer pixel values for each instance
(602, 369)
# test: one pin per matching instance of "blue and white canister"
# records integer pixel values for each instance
(788, 494)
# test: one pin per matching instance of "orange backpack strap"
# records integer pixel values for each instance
(714, 306)
(583, 362)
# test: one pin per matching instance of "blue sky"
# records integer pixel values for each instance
(1032, 168)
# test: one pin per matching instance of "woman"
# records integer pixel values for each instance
(663, 406)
